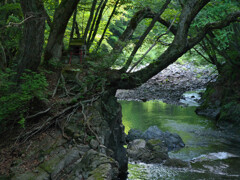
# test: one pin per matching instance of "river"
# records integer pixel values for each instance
(213, 154)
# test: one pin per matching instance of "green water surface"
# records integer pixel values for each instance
(198, 133)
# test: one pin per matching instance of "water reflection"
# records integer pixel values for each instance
(198, 133)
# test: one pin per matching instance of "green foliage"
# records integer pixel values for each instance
(10, 35)
(124, 76)
(15, 99)
(22, 122)
(33, 85)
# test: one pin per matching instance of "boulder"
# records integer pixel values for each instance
(153, 132)
(95, 165)
(171, 140)
(134, 134)
(152, 151)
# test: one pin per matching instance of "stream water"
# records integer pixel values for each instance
(212, 154)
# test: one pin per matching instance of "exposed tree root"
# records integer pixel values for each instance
(38, 114)
(67, 112)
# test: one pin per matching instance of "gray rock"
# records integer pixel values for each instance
(68, 160)
(153, 132)
(137, 144)
(172, 140)
(152, 151)
(40, 175)
(94, 144)
(209, 112)
(134, 134)
(96, 165)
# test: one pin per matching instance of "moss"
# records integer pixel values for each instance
(230, 112)
(154, 143)
(102, 172)
(49, 165)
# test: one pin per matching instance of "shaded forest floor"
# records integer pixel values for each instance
(42, 128)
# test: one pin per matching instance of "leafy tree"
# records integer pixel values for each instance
(10, 32)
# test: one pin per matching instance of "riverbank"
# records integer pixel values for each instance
(170, 84)
(211, 153)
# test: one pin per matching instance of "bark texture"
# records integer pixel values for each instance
(33, 35)
(59, 24)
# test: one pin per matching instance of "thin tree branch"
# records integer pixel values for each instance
(93, 23)
(109, 20)
(10, 24)
(97, 24)
(89, 20)
(206, 59)
(214, 25)
(139, 43)
(153, 45)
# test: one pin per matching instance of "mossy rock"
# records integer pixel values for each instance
(230, 115)
(103, 172)
(156, 145)
(97, 166)
(50, 165)
(40, 174)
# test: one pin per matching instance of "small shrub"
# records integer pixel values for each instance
(15, 99)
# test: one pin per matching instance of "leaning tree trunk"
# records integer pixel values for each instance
(115, 138)
(33, 35)
(59, 24)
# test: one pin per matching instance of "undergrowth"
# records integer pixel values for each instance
(16, 97)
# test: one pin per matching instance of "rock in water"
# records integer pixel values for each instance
(153, 132)
(172, 140)
(152, 151)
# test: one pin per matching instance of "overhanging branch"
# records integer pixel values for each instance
(214, 25)
(142, 38)
(175, 50)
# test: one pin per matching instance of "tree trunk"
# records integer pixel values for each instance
(33, 35)
(59, 24)
(112, 113)
(3, 60)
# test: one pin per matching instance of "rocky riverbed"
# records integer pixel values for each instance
(170, 84)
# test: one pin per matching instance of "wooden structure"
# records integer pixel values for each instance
(77, 47)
